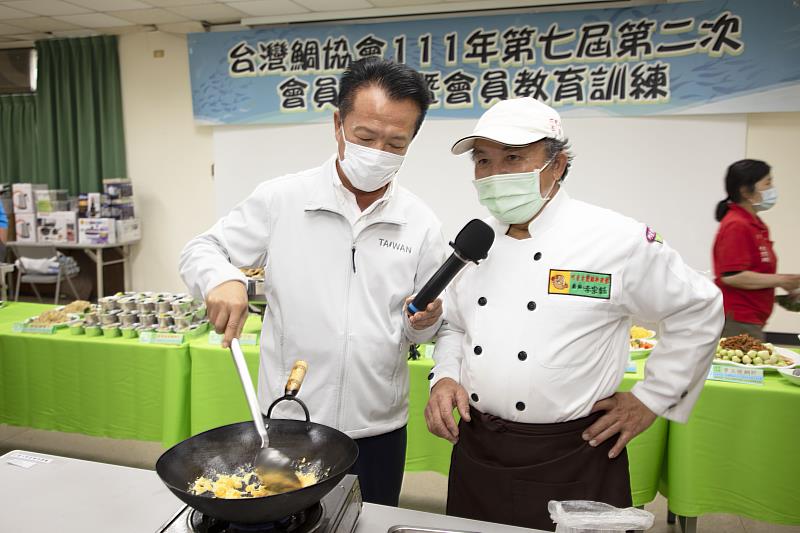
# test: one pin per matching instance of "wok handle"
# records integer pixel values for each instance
(249, 391)
(296, 378)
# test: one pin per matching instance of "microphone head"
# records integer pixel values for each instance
(474, 240)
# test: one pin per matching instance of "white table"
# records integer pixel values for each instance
(95, 253)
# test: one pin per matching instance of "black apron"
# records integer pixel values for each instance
(506, 472)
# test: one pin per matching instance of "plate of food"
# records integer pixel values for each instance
(749, 352)
(641, 347)
(638, 332)
(792, 375)
(58, 318)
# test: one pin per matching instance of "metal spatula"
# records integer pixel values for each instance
(268, 460)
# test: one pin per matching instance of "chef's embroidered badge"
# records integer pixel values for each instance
(651, 236)
(580, 283)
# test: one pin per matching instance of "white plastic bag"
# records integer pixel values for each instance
(580, 516)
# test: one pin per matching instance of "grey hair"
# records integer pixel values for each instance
(555, 147)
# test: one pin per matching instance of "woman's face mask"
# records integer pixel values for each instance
(768, 199)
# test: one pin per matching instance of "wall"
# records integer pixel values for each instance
(169, 158)
(775, 138)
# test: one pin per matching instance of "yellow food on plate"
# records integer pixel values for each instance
(50, 317)
(638, 332)
(78, 306)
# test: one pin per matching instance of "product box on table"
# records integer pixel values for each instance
(97, 231)
(129, 230)
(23, 196)
(25, 227)
(59, 226)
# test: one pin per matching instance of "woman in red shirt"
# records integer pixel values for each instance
(745, 265)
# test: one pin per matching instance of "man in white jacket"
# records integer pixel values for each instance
(343, 247)
(536, 339)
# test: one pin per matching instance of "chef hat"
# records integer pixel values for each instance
(514, 122)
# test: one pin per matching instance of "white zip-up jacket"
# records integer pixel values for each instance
(335, 296)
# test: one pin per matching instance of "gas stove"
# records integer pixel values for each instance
(337, 512)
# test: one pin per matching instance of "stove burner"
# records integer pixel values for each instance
(305, 521)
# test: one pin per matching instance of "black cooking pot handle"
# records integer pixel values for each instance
(289, 398)
(296, 377)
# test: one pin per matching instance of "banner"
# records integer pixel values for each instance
(715, 56)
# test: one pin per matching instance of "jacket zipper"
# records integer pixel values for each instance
(346, 337)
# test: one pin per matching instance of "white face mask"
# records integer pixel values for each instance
(768, 199)
(368, 169)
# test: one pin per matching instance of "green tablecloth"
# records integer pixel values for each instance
(216, 394)
(17, 311)
(738, 453)
(105, 387)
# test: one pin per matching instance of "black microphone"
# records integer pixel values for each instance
(472, 244)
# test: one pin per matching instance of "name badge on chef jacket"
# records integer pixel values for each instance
(580, 283)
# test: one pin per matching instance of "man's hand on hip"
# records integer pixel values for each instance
(446, 395)
(625, 415)
(227, 309)
(427, 317)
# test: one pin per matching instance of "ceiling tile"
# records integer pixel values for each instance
(95, 20)
(182, 27)
(154, 15)
(48, 8)
(263, 8)
(8, 13)
(173, 3)
(105, 6)
(338, 5)
(44, 24)
(401, 3)
(8, 29)
(210, 12)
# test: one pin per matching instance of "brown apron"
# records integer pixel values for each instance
(506, 472)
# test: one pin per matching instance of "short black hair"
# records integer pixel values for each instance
(745, 173)
(398, 80)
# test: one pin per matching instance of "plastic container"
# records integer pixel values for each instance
(581, 516)
(93, 331)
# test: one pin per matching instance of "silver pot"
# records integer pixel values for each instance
(164, 321)
(181, 307)
(146, 307)
(128, 305)
(128, 319)
(91, 318)
(183, 321)
(108, 318)
(108, 303)
(148, 319)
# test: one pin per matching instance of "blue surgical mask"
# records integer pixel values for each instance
(768, 199)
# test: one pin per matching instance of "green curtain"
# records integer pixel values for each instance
(79, 106)
(17, 138)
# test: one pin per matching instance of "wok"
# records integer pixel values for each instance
(226, 448)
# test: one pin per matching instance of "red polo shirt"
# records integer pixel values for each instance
(743, 243)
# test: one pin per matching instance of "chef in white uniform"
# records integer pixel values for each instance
(343, 246)
(535, 342)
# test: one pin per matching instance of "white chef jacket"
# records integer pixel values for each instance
(527, 350)
(335, 295)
